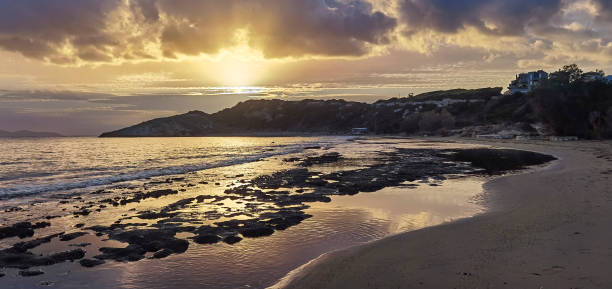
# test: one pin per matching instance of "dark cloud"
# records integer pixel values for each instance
(491, 16)
(40, 29)
(340, 28)
(65, 31)
(279, 28)
(605, 9)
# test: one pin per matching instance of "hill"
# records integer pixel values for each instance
(580, 109)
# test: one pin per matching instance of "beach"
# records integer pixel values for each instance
(545, 228)
(228, 212)
(243, 218)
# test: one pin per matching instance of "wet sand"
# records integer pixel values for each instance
(546, 228)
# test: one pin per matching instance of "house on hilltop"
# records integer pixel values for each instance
(593, 76)
(524, 82)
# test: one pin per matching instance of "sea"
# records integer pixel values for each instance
(30, 166)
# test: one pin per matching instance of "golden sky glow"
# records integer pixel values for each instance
(110, 63)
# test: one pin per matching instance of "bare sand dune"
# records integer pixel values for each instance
(547, 228)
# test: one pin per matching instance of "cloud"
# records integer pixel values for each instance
(278, 28)
(103, 31)
(76, 32)
(535, 34)
(49, 95)
(39, 29)
(605, 9)
(490, 16)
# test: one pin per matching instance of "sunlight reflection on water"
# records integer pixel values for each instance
(346, 221)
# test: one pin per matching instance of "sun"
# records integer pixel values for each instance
(237, 72)
(239, 65)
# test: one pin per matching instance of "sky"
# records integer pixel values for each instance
(83, 67)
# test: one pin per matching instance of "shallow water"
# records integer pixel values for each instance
(38, 165)
(255, 262)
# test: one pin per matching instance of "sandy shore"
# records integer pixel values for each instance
(547, 228)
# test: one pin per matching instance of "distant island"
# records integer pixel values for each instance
(27, 133)
(566, 103)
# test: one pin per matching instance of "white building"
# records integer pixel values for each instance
(359, 131)
(524, 82)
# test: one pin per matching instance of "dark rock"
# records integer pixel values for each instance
(68, 255)
(83, 212)
(21, 230)
(302, 198)
(28, 273)
(139, 196)
(72, 236)
(24, 246)
(155, 215)
(142, 241)
(206, 239)
(495, 161)
(98, 228)
(129, 253)
(202, 198)
(23, 260)
(178, 204)
(13, 209)
(80, 245)
(322, 159)
(91, 262)
(284, 223)
(256, 231)
(232, 239)
(312, 147)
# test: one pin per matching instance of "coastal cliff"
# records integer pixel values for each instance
(580, 109)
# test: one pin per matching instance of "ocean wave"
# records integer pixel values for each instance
(96, 181)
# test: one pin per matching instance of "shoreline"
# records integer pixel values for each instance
(163, 209)
(508, 246)
(190, 218)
